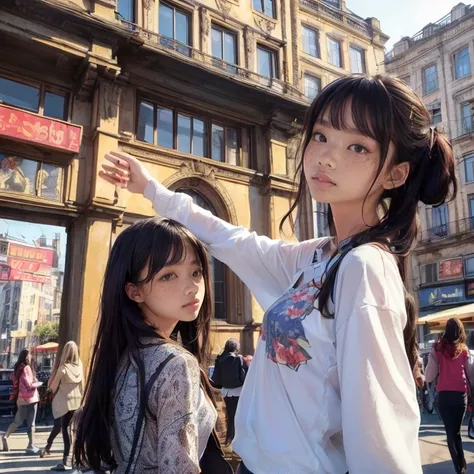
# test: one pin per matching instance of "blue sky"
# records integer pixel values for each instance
(402, 17)
(29, 232)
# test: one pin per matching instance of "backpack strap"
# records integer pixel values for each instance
(144, 392)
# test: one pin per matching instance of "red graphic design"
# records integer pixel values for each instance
(34, 254)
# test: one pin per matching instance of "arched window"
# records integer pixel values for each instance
(218, 270)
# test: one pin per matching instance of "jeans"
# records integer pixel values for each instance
(65, 420)
(230, 408)
(452, 408)
(55, 431)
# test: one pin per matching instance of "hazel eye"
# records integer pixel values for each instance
(319, 137)
(168, 277)
(358, 149)
(197, 273)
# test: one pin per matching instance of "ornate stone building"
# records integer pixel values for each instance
(436, 63)
(208, 94)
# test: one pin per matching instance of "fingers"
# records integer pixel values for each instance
(114, 178)
(120, 159)
(116, 170)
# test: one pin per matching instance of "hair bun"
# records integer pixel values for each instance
(439, 179)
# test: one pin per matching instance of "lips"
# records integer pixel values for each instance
(323, 178)
(192, 304)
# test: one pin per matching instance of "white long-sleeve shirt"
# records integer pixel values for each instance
(321, 395)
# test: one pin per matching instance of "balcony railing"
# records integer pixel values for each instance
(450, 229)
(343, 17)
(232, 71)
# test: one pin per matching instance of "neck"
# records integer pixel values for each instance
(165, 326)
(352, 219)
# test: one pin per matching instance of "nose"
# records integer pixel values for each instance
(326, 158)
(192, 286)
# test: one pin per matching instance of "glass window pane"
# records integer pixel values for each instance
(334, 52)
(49, 181)
(266, 63)
(462, 63)
(232, 145)
(165, 128)
(166, 23)
(230, 48)
(18, 174)
(310, 41)
(471, 206)
(199, 138)
(55, 106)
(145, 128)
(312, 86)
(217, 43)
(126, 9)
(470, 266)
(258, 5)
(217, 143)
(466, 118)
(184, 134)
(357, 61)
(469, 169)
(430, 79)
(269, 6)
(19, 95)
(182, 28)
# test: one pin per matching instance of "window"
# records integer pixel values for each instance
(435, 112)
(267, 63)
(174, 129)
(429, 273)
(23, 175)
(439, 221)
(310, 42)
(191, 135)
(469, 167)
(469, 266)
(174, 26)
(430, 79)
(126, 9)
(334, 52)
(267, 7)
(466, 118)
(218, 269)
(224, 47)
(462, 64)
(333, 3)
(357, 60)
(36, 99)
(3, 248)
(470, 200)
(225, 144)
(312, 86)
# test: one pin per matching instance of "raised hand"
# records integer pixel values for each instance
(126, 172)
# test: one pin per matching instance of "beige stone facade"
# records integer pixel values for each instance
(437, 63)
(208, 94)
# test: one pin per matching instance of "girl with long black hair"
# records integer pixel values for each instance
(331, 387)
(148, 405)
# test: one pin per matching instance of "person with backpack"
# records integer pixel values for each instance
(26, 388)
(148, 405)
(229, 374)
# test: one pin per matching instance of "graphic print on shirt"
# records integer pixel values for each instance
(282, 329)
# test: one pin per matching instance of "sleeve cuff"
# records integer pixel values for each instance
(153, 189)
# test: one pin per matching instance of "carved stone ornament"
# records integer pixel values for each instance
(205, 22)
(250, 40)
(224, 6)
(147, 4)
(265, 25)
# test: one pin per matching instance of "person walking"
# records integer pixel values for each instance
(66, 386)
(27, 401)
(451, 361)
(230, 370)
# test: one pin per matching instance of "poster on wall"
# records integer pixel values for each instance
(470, 289)
(450, 269)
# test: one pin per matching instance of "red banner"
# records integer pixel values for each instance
(29, 266)
(4, 272)
(34, 128)
(449, 269)
(34, 254)
(17, 275)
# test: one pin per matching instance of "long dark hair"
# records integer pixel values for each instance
(151, 243)
(23, 360)
(386, 110)
(454, 339)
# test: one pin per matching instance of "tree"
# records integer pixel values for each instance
(46, 332)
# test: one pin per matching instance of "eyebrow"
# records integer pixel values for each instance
(194, 262)
(353, 130)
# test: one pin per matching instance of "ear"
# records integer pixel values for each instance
(133, 293)
(397, 176)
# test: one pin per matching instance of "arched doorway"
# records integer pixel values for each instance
(218, 269)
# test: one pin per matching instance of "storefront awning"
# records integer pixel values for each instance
(49, 346)
(465, 312)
